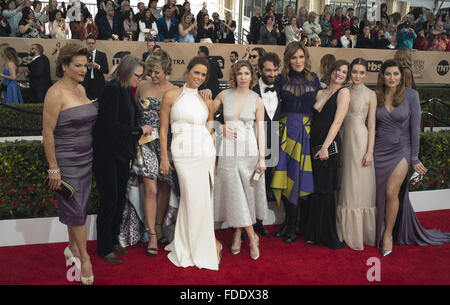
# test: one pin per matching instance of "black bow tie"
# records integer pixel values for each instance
(269, 89)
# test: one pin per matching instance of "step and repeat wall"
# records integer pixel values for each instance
(429, 67)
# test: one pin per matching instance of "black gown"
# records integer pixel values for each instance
(318, 213)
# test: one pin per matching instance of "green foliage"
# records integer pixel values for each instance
(18, 119)
(23, 169)
(434, 154)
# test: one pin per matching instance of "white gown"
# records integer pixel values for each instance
(194, 154)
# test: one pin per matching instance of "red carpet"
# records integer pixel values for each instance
(279, 264)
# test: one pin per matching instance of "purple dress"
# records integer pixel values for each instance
(73, 148)
(397, 137)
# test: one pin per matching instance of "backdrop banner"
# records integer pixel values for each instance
(429, 67)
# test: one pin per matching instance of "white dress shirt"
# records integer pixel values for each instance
(93, 60)
(269, 98)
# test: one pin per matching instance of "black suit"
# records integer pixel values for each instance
(116, 133)
(39, 76)
(214, 74)
(105, 31)
(269, 131)
(94, 86)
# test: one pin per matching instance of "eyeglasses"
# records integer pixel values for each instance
(253, 56)
(139, 76)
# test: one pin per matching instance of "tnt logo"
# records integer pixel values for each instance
(374, 65)
(443, 67)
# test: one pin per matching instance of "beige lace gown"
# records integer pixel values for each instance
(356, 210)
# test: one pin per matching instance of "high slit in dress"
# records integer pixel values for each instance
(397, 138)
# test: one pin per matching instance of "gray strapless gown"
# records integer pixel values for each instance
(397, 137)
(73, 148)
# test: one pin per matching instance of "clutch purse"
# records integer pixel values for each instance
(146, 139)
(416, 179)
(255, 177)
(332, 149)
(66, 189)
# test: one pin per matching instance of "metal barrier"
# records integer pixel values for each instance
(432, 115)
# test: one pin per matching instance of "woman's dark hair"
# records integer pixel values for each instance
(266, 18)
(399, 93)
(67, 53)
(326, 64)
(268, 6)
(359, 61)
(53, 15)
(25, 13)
(336, 65)
(289, 51)
(197, 60)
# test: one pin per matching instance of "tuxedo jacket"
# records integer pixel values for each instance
(165, 33)
(105, 31)
(94, 86)
(276, 116)
(117, 131)
(39, 76)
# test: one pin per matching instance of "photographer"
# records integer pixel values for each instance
(205, 30)
(405, 35)
(81, 28)
(57, 26)
(229, 26)
(381, 42)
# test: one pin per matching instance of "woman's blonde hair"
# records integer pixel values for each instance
(184, 24)
(161, 59)
(10, 54)
(404, 57)
(399, 93)
(290, 50)
(237, 66)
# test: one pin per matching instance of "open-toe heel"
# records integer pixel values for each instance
(162, 240)
(152, 252)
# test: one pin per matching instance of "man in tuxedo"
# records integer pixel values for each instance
(268, 66)
(109, 27)
(167, 26)
(94, 81)
(39, 72)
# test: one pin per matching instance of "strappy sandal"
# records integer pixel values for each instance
(162, 240)
(152, 252)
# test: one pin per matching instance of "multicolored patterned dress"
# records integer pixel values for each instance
(292, 177)
(146, 164)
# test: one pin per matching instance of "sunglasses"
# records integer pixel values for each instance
(253, 56)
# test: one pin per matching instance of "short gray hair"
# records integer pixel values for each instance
(126, 68)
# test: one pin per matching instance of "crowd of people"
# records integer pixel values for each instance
(116, 20)
(418, 29)
(198, 169)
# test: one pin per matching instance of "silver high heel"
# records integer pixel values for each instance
(235, 251)
(384, 252)
(254, 253)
